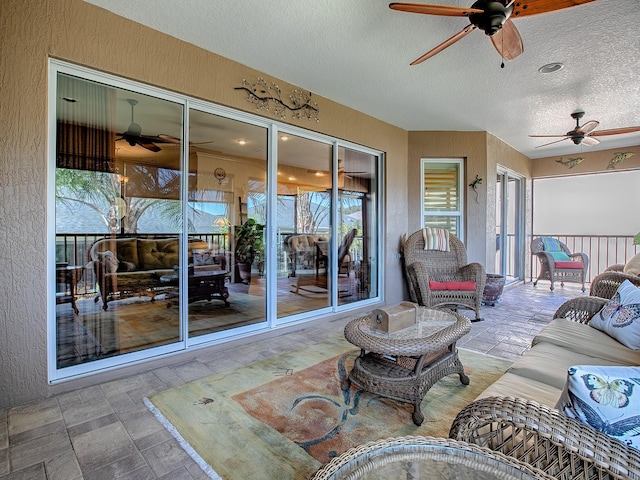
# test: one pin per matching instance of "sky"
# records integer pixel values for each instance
(598, 204)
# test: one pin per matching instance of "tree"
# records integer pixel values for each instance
(104, 193)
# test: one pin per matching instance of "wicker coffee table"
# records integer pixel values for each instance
(425, 458)
(405, 364)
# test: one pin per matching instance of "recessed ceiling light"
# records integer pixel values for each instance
(551, 67)
(284, 138)
(242, 142)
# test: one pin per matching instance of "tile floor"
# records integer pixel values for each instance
(106, 432)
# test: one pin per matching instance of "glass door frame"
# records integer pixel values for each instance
(502, 243)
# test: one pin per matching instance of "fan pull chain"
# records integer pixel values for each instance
(502, 51)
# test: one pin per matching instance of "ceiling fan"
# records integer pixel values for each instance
(341, 171)
(133, 136)
(584, 134)
(492, 17)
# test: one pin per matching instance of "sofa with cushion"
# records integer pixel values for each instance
(571, 404)
(134, 266)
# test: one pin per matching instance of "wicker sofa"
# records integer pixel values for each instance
(516, 414)
(606, 284)
(133, 266)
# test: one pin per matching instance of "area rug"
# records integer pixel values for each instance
(285, 416)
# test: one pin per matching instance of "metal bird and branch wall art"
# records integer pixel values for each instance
(268, 96)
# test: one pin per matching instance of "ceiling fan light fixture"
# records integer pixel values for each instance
(551, 67)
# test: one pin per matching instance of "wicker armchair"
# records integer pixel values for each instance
(606, 284)
(574, 270)
(546, 439)
(423, 266)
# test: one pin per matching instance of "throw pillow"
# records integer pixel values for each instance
(551, 244)
(436, 239)
(560, 257)
(620, 317)
(109, 261)
(607, 398)
(632, 267)
(202, 257)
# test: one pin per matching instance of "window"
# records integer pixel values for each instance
(442, 194)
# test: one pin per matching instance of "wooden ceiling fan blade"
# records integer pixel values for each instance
(587, 127)
(447, 43)
(148, 145)
(527, 8)
(434, 9)
(615, 131)
(507, 41)
(551, 143)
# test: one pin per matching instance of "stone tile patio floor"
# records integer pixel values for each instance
(106, 432)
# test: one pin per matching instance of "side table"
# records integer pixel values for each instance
(69, 276)
(405, 364)
(204, 285)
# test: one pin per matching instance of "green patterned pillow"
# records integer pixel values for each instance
(551, 244)
(606, 398)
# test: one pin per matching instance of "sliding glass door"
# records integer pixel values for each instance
(179, 222)
(227, 164)
(509, 225)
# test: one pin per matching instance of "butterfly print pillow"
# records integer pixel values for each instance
(620, 317)
(606, 398)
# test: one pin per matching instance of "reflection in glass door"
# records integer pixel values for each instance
(303, 224)
(117, 220)
(509, 225)
(356, 261)
(227, 216)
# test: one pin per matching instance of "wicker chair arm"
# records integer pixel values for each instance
(584, 258)
(618, 267)
(606, 284)
(473, 271)
(545, 438)
(580, 309)
(419, 277)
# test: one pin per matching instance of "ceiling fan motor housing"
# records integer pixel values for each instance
(493, 17)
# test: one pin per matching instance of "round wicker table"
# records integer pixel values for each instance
(425, 458)
(405, 364)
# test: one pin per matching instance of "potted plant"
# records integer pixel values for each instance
(249, 245)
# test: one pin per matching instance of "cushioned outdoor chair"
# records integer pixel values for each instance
(442, 277)
(557, 262)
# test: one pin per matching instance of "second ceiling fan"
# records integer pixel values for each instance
(492, 17)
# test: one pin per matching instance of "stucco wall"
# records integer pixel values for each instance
(594, 162)
(482, 153)
(31, 31)
(471, 146)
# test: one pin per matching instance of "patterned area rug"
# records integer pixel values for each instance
(286, 416)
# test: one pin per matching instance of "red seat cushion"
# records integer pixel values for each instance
(576, 265)
(452, 285)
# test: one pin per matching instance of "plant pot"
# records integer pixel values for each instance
(492, 289)
(243, 273)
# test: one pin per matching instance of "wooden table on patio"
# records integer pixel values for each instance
(405, 364)
(203, 285)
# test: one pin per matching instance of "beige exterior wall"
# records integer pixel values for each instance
(32, 31)
(594, 162)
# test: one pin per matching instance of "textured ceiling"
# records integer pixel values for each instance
(357, 53)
